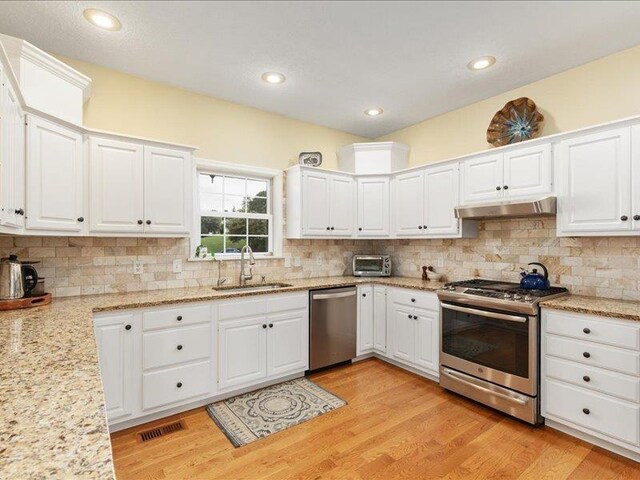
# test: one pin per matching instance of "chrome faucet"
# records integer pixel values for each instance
(252, 261)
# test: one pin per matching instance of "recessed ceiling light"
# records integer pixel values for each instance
(481, 63)
(273, 78)
(102, 19)
(373, 112)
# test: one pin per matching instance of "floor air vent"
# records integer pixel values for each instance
(161, 431)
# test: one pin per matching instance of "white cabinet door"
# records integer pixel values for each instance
(12, 157)
(342, 204)
(54, 177)
(380, 318)
(287, 343)
(401, 333)
(365, 320)
(408, 204)
(527, 171)
(595, 183)
(115, 351)
(426, 338)
(116, 196)
(373, 206)
(635, 175)
(167, 190)
(315, 204)
(441, 188)
(242, 351)
(482, 179)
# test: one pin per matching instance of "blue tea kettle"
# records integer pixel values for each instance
(533, 280)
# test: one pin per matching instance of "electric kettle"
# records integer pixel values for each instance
(16, 279)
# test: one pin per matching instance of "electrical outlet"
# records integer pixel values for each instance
(440, 262)
(138, 267)
(287, 262)
(177, 266)
(297, 261)
(319, 260)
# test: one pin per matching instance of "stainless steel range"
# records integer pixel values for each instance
(490, 344)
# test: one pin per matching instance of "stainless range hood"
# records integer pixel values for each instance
(533, 208)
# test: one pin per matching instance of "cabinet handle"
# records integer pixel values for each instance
(81, 219)
(498, 188)
(332, 228)
(179, 347)
(364, 294)
(328, 228)
(271, 325)
(413, 300)
(636, 217)
(624, 218)
(415, 317)
(264, 325)
(179, 385)
(586, 354)
(586, 378)
(359, 229)
(586, 330)
(586, 411)
(128, 327)
(410, 316)
(148, 222)
(179, 318)
(19, 211)
(506, 187)
(424, 226)
(420, 227)
(140, 222)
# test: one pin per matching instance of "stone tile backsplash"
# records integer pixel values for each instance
(601, 266)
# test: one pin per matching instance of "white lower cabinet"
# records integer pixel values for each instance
(380, 319)
(364, 332)
(591, 378)
(243, 351)
(413, 331)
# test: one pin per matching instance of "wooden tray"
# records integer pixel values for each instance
(27, 302)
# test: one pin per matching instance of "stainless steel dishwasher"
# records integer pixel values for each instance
(332, 326)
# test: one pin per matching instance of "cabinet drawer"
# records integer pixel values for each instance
(596, 379)
(176, 316)
(283, 303)
(414, 298)
(608, 416)
(593, 329)
(170, 347)
(242, 308)
(593, 354)
(175, 384)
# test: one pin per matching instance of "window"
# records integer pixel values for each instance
(235, 211)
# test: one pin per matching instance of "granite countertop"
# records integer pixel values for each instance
(53, 423)
(606, 307)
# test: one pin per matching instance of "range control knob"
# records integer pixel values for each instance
(517, 297)
(507, 296)
(528, 298)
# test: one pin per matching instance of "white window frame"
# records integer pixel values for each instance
(275, 194)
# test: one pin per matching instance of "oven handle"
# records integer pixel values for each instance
(464, 379)
(484, 313)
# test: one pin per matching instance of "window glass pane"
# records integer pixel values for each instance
(210, 202)
(213, 244)
(259, 244)
(211, 226)
(258, 227)
(234, 186)
(235, 244)
(210, 183)
(256, 188)
(233, 203)
(236, 226)
(257, 205)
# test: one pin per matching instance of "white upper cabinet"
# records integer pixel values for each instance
(342, 199)
(635, 176)
(408, 203)
(441, 186)
(517, 173)
(373, 206)
(115, 184)
(315, 202)
(55, 177)
(482, 178)
(527, 171)
(594, 183)
(168, 178)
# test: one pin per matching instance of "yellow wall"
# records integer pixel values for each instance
(601, 91)
(223, 130)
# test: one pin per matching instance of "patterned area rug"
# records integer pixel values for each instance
(255, 415)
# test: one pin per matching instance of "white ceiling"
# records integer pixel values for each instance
(339, 57)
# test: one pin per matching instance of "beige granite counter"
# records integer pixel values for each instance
(606, 307)
(52, 421)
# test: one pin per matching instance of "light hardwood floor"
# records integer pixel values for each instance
(396, 425)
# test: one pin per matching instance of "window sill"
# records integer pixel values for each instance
(233, 256)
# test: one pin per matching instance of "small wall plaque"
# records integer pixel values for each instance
(310, 159)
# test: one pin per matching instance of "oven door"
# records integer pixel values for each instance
(499, 347)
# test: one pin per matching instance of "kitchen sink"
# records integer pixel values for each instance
(251, 288)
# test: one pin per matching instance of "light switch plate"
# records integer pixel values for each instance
(440, 262)
(177, 266)
(138, 267)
